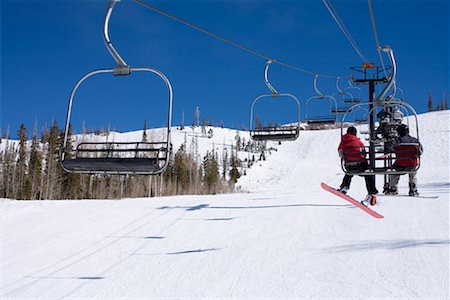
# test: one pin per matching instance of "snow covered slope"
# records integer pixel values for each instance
(286, 239)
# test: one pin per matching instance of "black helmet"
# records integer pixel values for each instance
(402, 130)
(351, 130)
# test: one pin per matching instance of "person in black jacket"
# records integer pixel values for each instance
(407, 149)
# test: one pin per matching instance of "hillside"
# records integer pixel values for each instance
(283, 238)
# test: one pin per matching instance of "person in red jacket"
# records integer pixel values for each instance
(408, 150)
(352, 150)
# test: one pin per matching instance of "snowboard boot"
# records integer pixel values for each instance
(391, 191)
(413, 193)
(413, 190)
(343, 190)
(369, 200)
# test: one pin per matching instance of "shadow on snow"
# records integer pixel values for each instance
(202, 206)
(388, 245)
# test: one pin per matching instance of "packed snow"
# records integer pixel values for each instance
(284, 237)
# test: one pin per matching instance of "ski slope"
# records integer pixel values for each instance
(283, 238)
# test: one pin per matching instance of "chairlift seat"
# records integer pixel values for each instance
(340, 110)
(321, 120)
(352, 101)
(143, 158)
(112, 165)
(407, 155)
(275, 133)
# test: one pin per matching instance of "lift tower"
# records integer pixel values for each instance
(371, 75)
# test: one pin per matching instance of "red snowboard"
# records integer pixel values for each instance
(351, 200)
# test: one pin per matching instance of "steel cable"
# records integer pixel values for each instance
(240, 46)
(344, 29)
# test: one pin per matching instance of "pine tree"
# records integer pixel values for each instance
(181, 170)
(204, 127)
(445, 104)
(257, 121)
(35, 167)
(144, 133)
(8, 170)
(430, 101)
(234, 171)
(182, 120)
(224, 164)
(211, 172)
(70, 183)
(52, 179)
(23, 186)
(237, 138)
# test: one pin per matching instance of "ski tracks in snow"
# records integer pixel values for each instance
(104, 247)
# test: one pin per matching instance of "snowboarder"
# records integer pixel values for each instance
(407, 149)
(384, 116)
(386, 128)
(352, 150)
(397, 115)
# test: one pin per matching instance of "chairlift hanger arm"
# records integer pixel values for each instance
(391, 82)
(122, 67)
(266, 77)
(316, 88)
(341, 91)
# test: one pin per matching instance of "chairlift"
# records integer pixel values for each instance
(346, 98)
(273, 132)
(320, 118)
(141, 158)
(383, 157)
(383, 154)
(353, 99)
(360, 115)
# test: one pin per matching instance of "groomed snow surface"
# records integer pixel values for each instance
(284, 238)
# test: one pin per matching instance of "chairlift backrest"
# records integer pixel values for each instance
(407, 155)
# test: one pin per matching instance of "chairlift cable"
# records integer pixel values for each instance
(374, 27)
(240, 46)
(344, 29)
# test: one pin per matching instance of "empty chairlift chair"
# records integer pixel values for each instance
(143, 158)
(354, 91)
(343, 98)
(325, 115)
(284, 132)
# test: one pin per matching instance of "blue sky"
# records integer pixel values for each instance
(46, 46)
